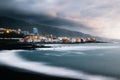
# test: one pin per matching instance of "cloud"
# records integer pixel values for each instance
(100, 18)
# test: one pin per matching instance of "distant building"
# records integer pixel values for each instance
(26, 33)
(19, 31)
(77, 40)
(35, 31)
(2, 30)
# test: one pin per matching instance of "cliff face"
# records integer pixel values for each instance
(12, 23)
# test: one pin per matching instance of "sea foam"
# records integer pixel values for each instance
(78, 47)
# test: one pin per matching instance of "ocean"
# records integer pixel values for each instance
(89, 61)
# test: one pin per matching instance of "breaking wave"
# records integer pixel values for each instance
(11, 58)
(78, 47)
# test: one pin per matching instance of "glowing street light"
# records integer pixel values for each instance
(7, 31)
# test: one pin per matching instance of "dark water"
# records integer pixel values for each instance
(82, 61)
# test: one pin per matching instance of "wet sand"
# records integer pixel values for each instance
(8, 73)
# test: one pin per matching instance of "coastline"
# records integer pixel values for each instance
(14, 74)
(10, 44)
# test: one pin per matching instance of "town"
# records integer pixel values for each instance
(26, 36)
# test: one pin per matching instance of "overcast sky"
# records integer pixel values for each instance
(100, 16)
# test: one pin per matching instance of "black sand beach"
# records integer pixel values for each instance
(8, 73)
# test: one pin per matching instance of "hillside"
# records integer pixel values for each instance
(12, 23)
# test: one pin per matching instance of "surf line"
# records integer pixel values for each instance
(11, 58)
